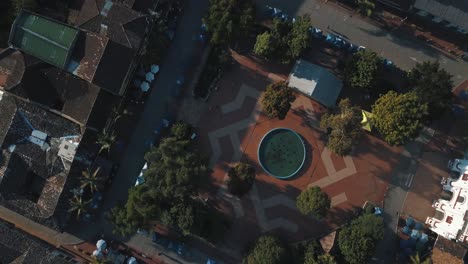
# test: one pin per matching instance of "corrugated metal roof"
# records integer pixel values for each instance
(454, 11)
(43, 38)
(315, 81)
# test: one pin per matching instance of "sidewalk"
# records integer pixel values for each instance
(396, 196)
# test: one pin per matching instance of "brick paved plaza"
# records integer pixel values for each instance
(230, 130)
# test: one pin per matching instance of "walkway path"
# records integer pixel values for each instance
(403, 50)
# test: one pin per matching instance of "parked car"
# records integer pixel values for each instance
(388, 63)
(316, 33)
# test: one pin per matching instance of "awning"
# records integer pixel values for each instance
(154, 68)
(144, 86)
(149, 76)
(101, 244)
(366, 122)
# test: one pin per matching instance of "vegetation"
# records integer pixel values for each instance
(416, 259)
(433, 86)
(277, 99)
(285, 41)
(313, 201)
(105, 140)
(358, 240)
(399, 117)
(361, 70)
(366, 7)
(241, 178)
(267, 250)
(228, 20)
(181, 130)
(170, 192)
(217, 62)
(78, 206)
(345, 126)
(90, 180)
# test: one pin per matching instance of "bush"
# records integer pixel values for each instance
(181, 130)
(241, 178)
(277, 99)
(313, 201)
(267, 250)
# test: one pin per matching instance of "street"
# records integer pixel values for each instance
(181, 50)
(404, 52)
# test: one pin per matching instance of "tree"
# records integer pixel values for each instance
(366, 7)
(241, 178)
(299, 38)
(433, 86)
(357, 241)
(184, 216)
(277, 99)
(123, 224)
(267, 250)
(399, 117)
(313, 201)
(265, 45)
(105, 140)
(174, 169)
(181, 130)
(78, 206)
(91, 180)
(229, 19)
(361, 70)
(345, 125)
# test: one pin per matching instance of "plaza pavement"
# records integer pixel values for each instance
(404, 51)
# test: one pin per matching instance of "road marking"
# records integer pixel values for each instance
(409, 180)
(413, 58)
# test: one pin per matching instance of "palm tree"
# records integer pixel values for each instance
(417, 260)
(105, 140)
(78, 206)
(90, 180)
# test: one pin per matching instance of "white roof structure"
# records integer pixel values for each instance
(316, 82)
(451, 220)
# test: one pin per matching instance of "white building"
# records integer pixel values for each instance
(451, 217)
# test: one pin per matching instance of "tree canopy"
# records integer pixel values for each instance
(433, 86)
(241, 178)
(357, 241)
(399, 117)
(361, 70)
(171, 181)
(313, 201)
(267, 250)
(229, 19)
(285, 41)
(345, 125)
(366, 7)
(277, 99)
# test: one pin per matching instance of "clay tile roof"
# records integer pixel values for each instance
(12, 68)
(448, 252)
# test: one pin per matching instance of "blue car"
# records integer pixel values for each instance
(330, 38)
(388, 63)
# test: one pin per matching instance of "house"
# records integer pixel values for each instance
(17, 246)
(38, 149)
(451, 14)
(89, 56)
(316, 82)
(448, 252)
(450, 220)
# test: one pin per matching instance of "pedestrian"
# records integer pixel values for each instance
(328, 27)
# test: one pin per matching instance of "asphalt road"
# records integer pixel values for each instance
(403, 51)
(181, 51)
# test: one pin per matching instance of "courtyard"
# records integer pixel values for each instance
(231, 127)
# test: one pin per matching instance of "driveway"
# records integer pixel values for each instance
(404, 51)
(182, 49)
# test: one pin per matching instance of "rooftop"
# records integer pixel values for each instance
(18, 247)
(316, 82)
(43, 38)
(453, 11)
(451, 216)
(37, 149)
(448, 252)
(113, 19)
